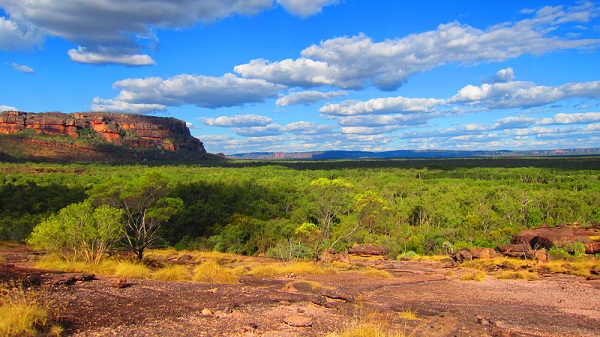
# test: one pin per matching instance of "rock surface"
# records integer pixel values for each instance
(548, 237)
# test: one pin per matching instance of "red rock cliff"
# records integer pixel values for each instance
(119, 129)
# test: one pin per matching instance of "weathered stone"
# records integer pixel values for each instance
(514, 248)
(483, 253)
(331, 255)
(548, 237)
(463, 255)
(298, 321)
(367, 250)
(185, 259)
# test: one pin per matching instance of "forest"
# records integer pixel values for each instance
(287, 209)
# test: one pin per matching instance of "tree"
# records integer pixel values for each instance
(145, 204)
(80, 231)
(332, 198)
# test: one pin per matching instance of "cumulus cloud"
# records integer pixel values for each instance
(82, 55)
(237, 121)
(260, 131)
(504, 75)
(22, 68)
(111, 105)
(7, 108)
(520, 94)
(572, 118)
(381, 106)
(308, 97)
(116, 32)
(305, 8)
(354, 62)
(203, 91)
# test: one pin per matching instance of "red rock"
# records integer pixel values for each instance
(367, 250)
(483, 253)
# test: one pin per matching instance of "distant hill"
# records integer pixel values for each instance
(96, 137)
(409, 154)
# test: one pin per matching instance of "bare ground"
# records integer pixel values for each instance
(281, 306)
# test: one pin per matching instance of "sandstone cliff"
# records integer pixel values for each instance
(92, 132)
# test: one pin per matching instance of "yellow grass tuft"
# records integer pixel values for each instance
(408, 314)
(296, 268)
(20, 313)
(304, 286)
(519, 275)
(172, 273)
(475, 276)
(211, 272)
(376, 273)
(131, 270)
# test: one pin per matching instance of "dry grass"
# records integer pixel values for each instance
(408, 314)
(131, 270)
(295, 268)
(519, 275)
(211, 272)
(369, 322)
(376, 273)
(172, 273)
(20, 312)
(474, 276)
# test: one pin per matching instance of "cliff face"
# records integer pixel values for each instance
(123, 130)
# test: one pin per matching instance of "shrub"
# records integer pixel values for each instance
(211, 272)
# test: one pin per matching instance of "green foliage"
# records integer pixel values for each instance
(80, 231)
(255, 207)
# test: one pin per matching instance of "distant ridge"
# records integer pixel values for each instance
(324, 155)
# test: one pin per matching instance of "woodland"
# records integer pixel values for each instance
(295, 209)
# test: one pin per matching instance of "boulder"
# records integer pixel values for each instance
(548, 237)
(463, 255)
(367, 250)
(483, 253)
(514, 248)
(331, 255)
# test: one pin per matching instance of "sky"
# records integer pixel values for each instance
(316, 75)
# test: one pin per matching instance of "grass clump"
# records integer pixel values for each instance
(211, 272)
(519, 275)
(296, 268)
(477, 276)
(408, 314)
(131, 270)
(20, 312)
(377, 273)
(172, 273)
(304, 286)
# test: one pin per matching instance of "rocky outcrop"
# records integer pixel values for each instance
(127, 130)
(367, 250)
(560, 236)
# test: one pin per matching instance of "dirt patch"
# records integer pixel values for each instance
(441, 305)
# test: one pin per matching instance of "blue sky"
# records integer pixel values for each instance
(312, 75)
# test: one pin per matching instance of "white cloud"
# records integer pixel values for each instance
(111, 31)
(81, 55)
(354, 62)
(305, 8)
(309, 128)
(7, 108)
(17, 37)
(237, 121)
(203, 91)
(572, 118)
(381, 106)
(504, 75)
(22, 68)
(111, 105)
(308, 97)
(523, 94)
(385, 120)
(260, 131)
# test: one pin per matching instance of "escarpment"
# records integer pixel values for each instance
(55, 135)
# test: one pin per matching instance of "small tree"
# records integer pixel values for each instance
(80, 231)
(145, 204)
